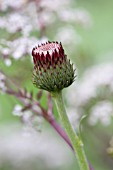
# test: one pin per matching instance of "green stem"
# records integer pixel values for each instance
(75, 140)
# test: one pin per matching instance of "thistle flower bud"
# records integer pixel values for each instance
(52, 69)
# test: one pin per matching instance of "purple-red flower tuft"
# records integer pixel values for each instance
(49, 53)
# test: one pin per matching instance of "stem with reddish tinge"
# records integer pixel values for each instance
(63, 134)
(60, 131)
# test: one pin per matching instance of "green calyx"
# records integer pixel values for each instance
(56, 78)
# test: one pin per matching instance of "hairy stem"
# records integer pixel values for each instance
(75, 140)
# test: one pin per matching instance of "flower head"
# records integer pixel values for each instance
(52, 70)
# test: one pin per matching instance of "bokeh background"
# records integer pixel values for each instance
(85, 28)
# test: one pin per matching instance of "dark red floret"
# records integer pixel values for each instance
(48, 53)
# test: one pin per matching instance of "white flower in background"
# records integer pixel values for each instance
(8, 62)
(83, 18)
(15, 22)
(26, 21)
(87, 95)
(78, 16)
(5, 51)
(37, 150)
(30, 120)
(101, 112)
(22, 46)
(56, 6)
(67, 35)
(67, 15)
(46, 18)
(17, 111)
(5, 4)
(18, 48)
(93, 78)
